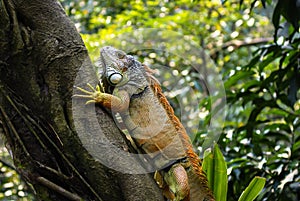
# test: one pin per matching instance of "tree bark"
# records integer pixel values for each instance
(41, 54)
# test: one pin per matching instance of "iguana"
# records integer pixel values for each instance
(131, 90)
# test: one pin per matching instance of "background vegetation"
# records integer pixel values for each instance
(255, 47)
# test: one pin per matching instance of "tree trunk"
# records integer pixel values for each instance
(59, 144)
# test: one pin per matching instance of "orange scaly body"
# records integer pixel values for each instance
(137, 96)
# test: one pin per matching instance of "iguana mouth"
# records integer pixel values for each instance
(140, 92)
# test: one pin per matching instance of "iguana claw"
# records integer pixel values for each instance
(93, 94)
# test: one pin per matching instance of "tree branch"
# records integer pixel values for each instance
(239, 43)
(235, 44)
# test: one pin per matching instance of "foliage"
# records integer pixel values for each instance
(215, 167)
(11, 186)
(263, 134)
(254, 188)
(258, 61)
(269, 138)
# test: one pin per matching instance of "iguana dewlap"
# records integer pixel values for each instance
(133, 92)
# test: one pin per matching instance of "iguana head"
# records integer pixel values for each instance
(121, 70)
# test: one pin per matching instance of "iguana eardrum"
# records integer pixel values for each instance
(133, 92)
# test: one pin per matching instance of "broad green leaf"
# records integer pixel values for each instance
(251, 84)
(215, 167)
(253, 189)
(253, 62)
(296, 146)
(276, 17)
(237, 77)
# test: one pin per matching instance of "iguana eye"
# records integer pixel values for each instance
(120, 54)
(114, 77)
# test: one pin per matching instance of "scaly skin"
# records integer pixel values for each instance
(133, 92)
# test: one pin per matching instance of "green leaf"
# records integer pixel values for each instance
(251, 84)
(253, 189)
(253, 62)
(216, 170)
(276, 18)
(289, 10)
(263, 3)
(296, 146)
(237, 77)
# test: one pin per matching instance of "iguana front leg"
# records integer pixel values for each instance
(118, 102)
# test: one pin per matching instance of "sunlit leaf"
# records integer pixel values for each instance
(237, 77)
(254, 188)
(215, 167)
